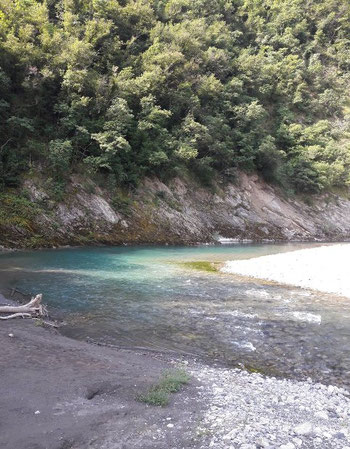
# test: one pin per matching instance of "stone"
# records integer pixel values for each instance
(339, 435)
(263, 442)
(287, 446)
(322, 414)
(303, 429)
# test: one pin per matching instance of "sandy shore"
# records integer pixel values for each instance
(324, 268)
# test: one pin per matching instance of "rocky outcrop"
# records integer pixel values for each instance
(179, 212)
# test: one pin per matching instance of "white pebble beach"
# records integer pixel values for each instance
(324, 268)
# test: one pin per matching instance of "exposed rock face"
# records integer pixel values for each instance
(183, 212)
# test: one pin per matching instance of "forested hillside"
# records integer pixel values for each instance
(132, 88)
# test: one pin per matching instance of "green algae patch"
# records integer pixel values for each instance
(263, 370)
(201, 265)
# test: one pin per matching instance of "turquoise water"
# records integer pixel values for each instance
(145, 297)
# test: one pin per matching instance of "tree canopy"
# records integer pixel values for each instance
(140, 87)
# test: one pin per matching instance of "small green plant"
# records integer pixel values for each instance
(39, 322)
(155, 397)
(122, 202)
(37, 241)
(161, 194)
(16, 210)
(170, 382)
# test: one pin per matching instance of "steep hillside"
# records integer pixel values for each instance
(142, 88)
(181, 211)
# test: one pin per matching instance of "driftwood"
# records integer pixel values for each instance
(33, 308)
(16, 315)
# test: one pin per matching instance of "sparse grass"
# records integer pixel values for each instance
(155, 397)
(170, 382)
(36, 241)
(122, 202)
(201, 265)
(39, 322)
(16, 210)
(168, 199)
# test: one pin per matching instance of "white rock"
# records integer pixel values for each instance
(263, 442)
(322, 414)
(303, 429)
(170, 426)
(287, 446)
(11, 335)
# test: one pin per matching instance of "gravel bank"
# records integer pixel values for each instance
(250, 411)
(324, 268)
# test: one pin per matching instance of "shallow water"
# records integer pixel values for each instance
(144, 297)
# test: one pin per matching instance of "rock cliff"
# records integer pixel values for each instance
(175, 213)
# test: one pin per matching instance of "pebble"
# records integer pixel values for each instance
(249, 411)
(303, 429)
(287, 446)
(322, 414)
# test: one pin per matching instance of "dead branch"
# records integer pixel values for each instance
(32, 308)
(15, 315)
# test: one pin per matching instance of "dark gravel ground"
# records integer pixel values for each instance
(58, 393)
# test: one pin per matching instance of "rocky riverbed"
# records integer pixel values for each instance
(250, 411)
(57, 393)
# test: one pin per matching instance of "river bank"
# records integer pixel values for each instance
(58, 393)
(181, 211)
(324, 268)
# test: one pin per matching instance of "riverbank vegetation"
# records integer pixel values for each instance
(170, 382)
(131, 88)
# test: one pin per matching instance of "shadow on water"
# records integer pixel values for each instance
(159, 298)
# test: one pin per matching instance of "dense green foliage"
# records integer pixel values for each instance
(140, 87)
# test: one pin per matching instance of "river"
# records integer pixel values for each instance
(148, 297)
